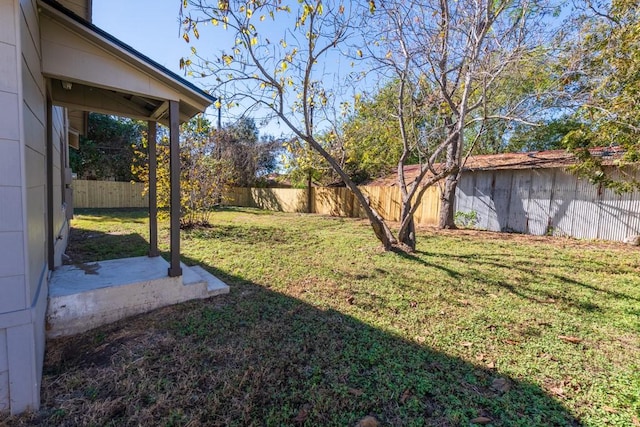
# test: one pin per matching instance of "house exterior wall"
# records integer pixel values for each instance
(12, 230)
(548, 201)
(23, 213)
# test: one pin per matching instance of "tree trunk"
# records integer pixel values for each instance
(407, 234)
(447, 203)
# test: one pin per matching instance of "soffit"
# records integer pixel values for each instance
(106, 75)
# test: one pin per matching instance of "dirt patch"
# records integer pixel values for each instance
(561, 242)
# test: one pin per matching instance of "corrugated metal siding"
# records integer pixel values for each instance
(502, 200)
(465, 193)
(482, 200)
(562, 205)
(541, 201)
(520, 187)
(612, 223)
(586, 211)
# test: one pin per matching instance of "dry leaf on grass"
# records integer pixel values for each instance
(405, 396)
(302, 416)
(356, 391)
(571, 339)
(501, 385)
(368, 421)
(558, 391)
(481, 420)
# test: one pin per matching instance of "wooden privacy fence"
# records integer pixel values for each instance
(335, 201)
(109, 194)
(326, 201)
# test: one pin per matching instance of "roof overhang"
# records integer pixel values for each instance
(90, 70)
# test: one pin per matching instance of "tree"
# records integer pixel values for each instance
(446, 57)
(250, 156)
(452, 61)
(204, 177)
(604, 60)
(109, 148)
(284, 75)
(372, 137)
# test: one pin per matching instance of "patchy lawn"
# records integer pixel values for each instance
(323, 328)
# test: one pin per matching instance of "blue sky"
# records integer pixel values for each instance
(149, 26)
(152, 27)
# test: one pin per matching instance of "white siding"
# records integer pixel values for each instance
(12, 238)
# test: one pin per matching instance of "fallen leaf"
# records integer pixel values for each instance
(512, 342)
(464, 301)
(501, 385)
(368, 421)
(413, 304)
(636, 421)
(558, 391)
(480, 357)
(302, 416)
(420, 339)
(350, 299)
(466, 344)
(481, 420)
(491, 365)
(610, 410)
(356, 391)
(405, 396)
(571, 339)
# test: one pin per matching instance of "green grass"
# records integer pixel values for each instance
(323, 328)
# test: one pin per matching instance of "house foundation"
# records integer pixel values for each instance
(85, 296)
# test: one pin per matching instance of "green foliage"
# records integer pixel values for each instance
(302, 163)
(250, 156)
(204, 174)
(372, 139)
(466, 219)
(604, 61)
(549, 135)
(109, 148)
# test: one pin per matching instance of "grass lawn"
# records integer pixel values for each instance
(323, 328)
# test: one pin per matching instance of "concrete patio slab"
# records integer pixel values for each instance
(85, 296)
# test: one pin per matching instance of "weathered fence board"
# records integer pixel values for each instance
(531, 201)
(109, 194)
(335, 201)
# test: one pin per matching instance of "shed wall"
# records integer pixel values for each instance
(548, 201)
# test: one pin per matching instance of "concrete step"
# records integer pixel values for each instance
(215, 286)
(82, 297)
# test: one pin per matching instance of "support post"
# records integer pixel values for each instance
(51, 237)
(153, 189)
(174, 172)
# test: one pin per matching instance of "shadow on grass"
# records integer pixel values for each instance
(92, 245)
(525, 267)
(258, 357)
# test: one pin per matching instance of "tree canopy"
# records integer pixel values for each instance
(108, 150)
(604, 60)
